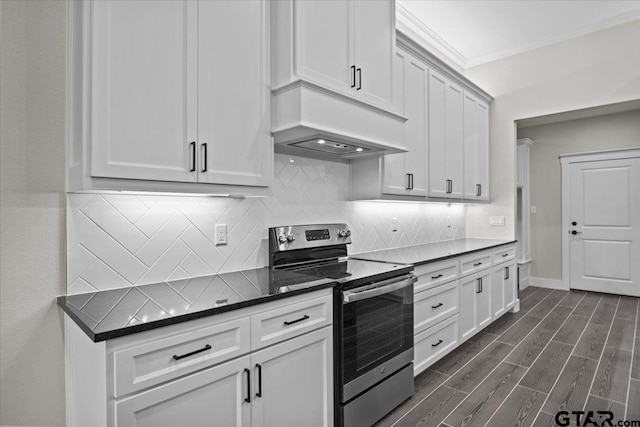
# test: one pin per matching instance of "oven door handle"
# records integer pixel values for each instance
(382, 288)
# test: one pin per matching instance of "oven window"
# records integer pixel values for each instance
(375, 330)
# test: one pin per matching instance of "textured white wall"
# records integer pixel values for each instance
(550, 141)
(32, 247)
(120, 240)
(597, 69)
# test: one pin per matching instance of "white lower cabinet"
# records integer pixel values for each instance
(293, 385)
(475, 303)
(215, 396)
(434, 343)
(503, 288)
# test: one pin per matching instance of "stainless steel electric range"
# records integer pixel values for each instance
(373, 324)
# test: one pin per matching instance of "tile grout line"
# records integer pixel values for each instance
(470, 360)
(633, 350)
(570, 355)
(536, 359)
(602, 355)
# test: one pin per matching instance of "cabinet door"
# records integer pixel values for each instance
(467, 313)
(510, 283)
(324, 43)
(233, 93)
(143, 89)
(476, 148)
(215, 396)
(445, 137)
(293, 382)
(375, 44)
(483, 299)
(498, 292)
(405, 174)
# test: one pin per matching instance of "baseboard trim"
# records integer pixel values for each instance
(543, 282)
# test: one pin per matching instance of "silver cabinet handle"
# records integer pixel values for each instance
(478, 285)
(380, 288)
(506, 273)
(478, 190)
(449, 189)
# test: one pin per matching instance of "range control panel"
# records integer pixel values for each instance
(308, 236)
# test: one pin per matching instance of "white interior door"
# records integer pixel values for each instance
(604, 226)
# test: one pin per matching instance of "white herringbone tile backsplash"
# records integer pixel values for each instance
(121, 240)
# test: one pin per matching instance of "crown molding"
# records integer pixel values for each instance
(408, 23)
(623, 18)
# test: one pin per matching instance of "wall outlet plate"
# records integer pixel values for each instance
(221, 234)
(496, 221)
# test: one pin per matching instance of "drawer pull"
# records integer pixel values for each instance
(505, 255)
(477, 264)
(436, 277)
(436, 344)
(205, 348)
(222, 301)
(436, 306)
(248, 398)
(303, 318)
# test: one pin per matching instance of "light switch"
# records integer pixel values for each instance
(533, 209)
(221, 234)
(496, 221)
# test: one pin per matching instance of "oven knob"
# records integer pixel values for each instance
(342, 233)
(348, 232)
(291, 238)
(282, 238)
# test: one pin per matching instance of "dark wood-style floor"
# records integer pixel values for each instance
(565, 350)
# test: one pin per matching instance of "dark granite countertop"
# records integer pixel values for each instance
(423, 254)
(117, 312)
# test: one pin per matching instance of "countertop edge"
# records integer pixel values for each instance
(496, 245)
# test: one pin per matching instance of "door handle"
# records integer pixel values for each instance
(193, 156)
(359, 70)
(574, 232)
(408, 181)
(506, 273)
(353, 76)
(574, 223)
(478, 285)
(248, 398)
(449, 189)
(478, 190)
(204, 163)
(259, 393)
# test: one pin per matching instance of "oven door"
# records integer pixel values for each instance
(377, 333)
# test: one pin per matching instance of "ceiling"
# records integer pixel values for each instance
(470, 33)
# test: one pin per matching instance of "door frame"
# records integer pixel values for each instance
(583, 157)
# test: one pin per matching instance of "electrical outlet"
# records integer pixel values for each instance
(496, 221)
(394, 224)
(448, 221)
(533, 209)
(221, 234)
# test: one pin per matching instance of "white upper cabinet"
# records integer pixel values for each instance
(175, 91)
(445, 137)
(344, 45)
(405, 174)
(143, 89)
(476, 148)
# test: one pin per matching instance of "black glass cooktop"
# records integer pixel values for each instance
(353, 272)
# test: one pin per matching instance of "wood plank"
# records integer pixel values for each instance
(572, 299)
(467, 378)
(517, 332)
(527, 292)
(627, 308)
(503, 323)
(547, 304)
(480, 405)
(434, 409)
(423, 385)
(622, 334)
(588, 304)
(612, 378)
(596, 404)
(528, 350)
(633, 409)
(572, 388)
(534, 299)
(520, 408)
(570, 332)
(604, 313)
(556, 318)
(592, 342)
(635, 372)
(461, 355)
(547, 368)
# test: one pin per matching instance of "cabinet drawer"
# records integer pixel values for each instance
(434, 343)
(145, 365)
(280, 324)
(501, 255)
(476, 262)
(435, 274)
(434, 305)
